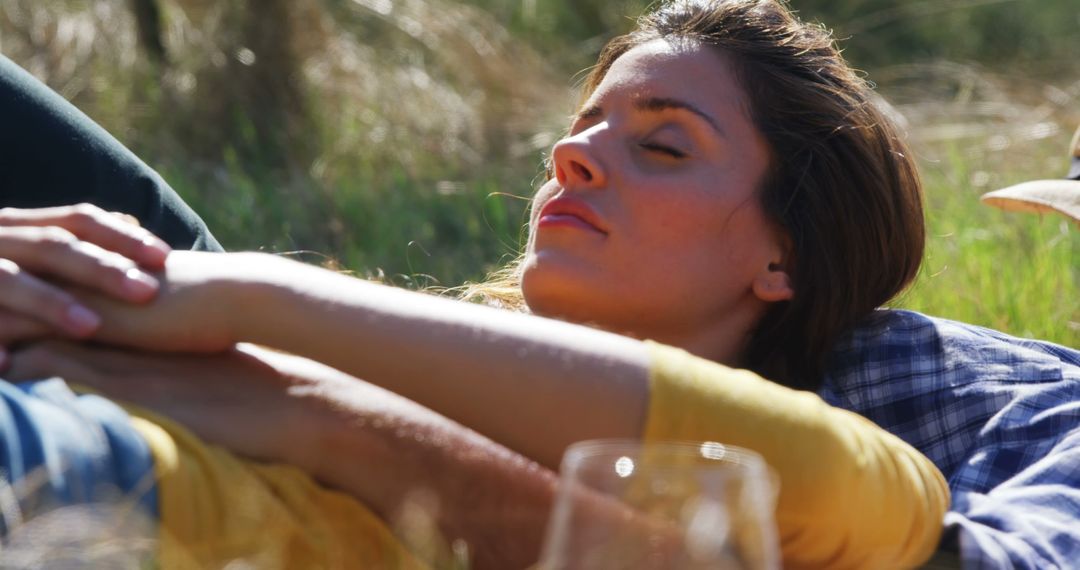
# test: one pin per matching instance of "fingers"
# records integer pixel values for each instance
(87, 222)
(26, 295)
(78, 245)
(16, 328)
(141, 378)
(127, 218)
(48, 359)
(58, 253)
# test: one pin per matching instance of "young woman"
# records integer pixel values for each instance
(728, 194)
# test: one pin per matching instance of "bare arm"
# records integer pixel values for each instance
(385, 450)
(533, 384)
(378, 447)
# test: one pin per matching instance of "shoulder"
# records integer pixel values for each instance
(946, 386)
(892, 345)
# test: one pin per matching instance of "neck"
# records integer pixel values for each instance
(721, 338)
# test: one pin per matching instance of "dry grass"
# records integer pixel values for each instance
(405, 122)
(976, 130)
(110, 532)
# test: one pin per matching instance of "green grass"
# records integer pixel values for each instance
(400, 230)
(1015, 272)
(400, 162)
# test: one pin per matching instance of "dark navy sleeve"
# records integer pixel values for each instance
(52, 154)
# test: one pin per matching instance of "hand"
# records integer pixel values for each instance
(237, 399)
(80, 245)
(278, 407)
(257, 402)
(204, 301)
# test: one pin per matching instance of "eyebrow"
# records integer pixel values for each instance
(657, 105)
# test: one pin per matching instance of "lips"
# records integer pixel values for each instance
(567, 211)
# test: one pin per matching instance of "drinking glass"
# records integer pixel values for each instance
(624, 504)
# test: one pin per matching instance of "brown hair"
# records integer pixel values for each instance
(841, 182)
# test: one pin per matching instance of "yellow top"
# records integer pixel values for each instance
(851, 494)
(217, 509)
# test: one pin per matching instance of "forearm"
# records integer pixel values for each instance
(397, 457)
(535, 385)
(392, 454)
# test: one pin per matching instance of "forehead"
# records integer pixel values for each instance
(688, 71)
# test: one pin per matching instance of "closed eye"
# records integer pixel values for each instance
(663, 149)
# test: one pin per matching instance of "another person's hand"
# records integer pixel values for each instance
(77, 245)
(238, 399)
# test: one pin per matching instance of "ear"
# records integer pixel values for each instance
(773, 283)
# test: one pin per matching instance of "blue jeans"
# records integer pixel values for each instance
(58, 449)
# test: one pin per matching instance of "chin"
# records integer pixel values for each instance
(550, 293)
(543, 294)
(561, 285)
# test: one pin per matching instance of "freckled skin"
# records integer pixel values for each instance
(688, 244)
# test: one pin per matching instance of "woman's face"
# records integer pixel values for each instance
(651, 225)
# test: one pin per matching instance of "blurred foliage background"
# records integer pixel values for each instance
(401, 137)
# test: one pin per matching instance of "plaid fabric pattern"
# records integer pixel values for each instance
(998, 415)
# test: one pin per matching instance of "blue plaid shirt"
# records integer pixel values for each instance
(998, 415)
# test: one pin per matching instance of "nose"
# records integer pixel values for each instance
(576, 162)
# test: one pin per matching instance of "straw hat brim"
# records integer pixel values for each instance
(1062, 196)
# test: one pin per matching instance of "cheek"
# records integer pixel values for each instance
(674, 220)
(745, 245)
(698, 235)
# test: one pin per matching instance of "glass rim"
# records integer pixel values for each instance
(721, 453)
